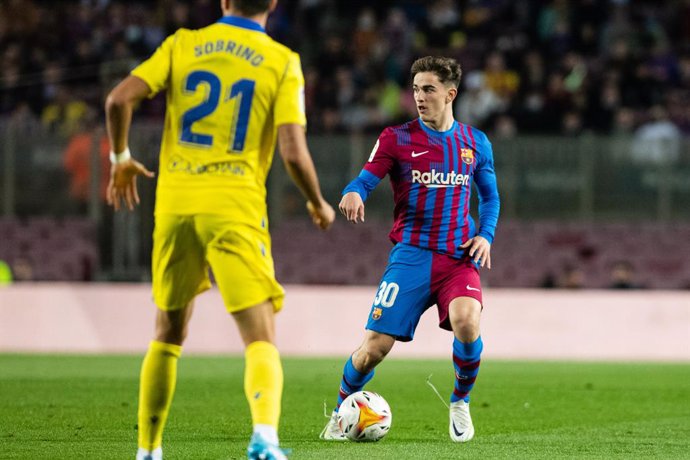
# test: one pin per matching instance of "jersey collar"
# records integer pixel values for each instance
(437, 133)
(242, 22)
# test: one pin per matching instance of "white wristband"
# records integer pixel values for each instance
(117, 158)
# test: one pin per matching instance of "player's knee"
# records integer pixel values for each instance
(465, 322)
(464, 313)
(173, 338)
(466, 328)
(376, 354)
(367, 361)
(371, 354)
(462, 320)
(171, 333)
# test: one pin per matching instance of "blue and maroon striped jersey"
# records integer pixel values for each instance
(431, 173)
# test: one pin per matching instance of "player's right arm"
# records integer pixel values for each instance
(119, 106)
(352, 207)
(292, 143)
(357, 191)
(145, 81)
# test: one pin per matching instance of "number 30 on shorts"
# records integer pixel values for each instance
(386, 294)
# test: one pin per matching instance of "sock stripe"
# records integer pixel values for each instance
(352, 381)
(166, 348)
(460, 394)
(466, 365)
(465, 380)
(466, 360)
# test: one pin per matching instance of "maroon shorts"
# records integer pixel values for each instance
(452, 278)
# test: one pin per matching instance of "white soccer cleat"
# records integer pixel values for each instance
(332, 431)
(461, 428)
(143, 454)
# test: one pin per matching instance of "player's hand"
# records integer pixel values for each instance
(352, 207)
(322, 214)
(122, 188)
(480, 250)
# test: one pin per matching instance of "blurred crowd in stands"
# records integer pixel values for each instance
(530, 66)
(557, 67)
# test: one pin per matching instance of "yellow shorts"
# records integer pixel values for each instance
(184, 246)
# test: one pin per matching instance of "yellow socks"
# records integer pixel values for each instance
(263, 386)
(156, 388)
(263, 383)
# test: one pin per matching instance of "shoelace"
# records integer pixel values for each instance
(428, 382)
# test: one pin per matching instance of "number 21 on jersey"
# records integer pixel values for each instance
(241, 90)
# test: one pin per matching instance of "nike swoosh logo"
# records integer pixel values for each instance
(457, 433)
(470, 288)
(418, 154)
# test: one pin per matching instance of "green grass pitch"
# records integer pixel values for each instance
(68, 407)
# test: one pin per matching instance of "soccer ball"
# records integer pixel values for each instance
(365, 416)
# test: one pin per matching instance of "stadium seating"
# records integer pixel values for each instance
(523, 255)
(49, 249)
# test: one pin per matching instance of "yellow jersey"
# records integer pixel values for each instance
(229, 86)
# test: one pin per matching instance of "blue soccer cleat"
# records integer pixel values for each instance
(260, 449)
(143, 454)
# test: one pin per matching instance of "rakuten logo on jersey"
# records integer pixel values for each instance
(438, 179)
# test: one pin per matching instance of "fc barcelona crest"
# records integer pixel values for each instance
(467, 156)
(376, 314)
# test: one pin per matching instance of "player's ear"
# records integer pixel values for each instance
(452, 93)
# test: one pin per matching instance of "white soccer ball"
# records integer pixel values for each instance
(365, 416)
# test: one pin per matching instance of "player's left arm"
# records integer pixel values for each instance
(124, 170)
(489, 204)
(290, 121)
(298, 162)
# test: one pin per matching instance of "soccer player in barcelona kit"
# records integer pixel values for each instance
(231, 91)
(438, 249)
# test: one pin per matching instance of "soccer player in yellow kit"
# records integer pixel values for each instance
(231, 91)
